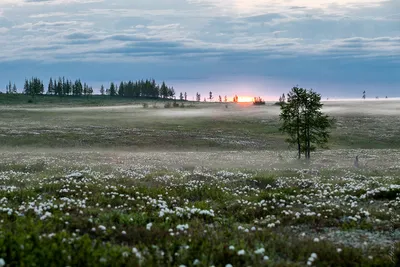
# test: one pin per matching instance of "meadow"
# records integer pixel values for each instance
(208, 184)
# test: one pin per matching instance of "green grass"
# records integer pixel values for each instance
(129, 204)
(138, 128)
(50, 100)
(126, 191)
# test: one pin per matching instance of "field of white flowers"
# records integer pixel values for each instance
(208, 185)
(109, 208)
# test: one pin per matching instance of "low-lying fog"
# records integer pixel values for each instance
(383, 107)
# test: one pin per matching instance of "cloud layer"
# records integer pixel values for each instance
(340, 44)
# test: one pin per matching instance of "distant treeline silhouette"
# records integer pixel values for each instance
(65, 87)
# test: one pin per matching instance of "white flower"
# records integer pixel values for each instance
(123, 232)
(339, 250)
(309, 262)
(196, 262)
(266, 258)
(241, 252)
(103, 260)
(102, 227)
(228, 265)
(231, 247)
(316, 239)
(370, 257)
(2, 262)
(313, 255)
(149, 225)
(259, 251)
(125, 254)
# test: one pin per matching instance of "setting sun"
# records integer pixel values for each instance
(245, 99)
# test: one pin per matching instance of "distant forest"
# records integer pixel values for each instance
(63, 87)
(139, 89)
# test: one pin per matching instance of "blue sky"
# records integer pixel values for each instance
(253, 47)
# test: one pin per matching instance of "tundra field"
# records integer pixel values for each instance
(206, 184)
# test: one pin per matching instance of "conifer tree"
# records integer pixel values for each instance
(304, 122)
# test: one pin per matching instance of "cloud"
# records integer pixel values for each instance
(48, 15)
(78, 35)
(283, 39)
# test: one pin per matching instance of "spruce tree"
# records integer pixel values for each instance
(112, 89)
(121, 89)
(50, 89)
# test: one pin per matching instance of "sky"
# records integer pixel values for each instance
(246, 47)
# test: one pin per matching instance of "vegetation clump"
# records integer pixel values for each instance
(304, 122)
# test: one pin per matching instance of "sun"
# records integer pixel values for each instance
(244, 99)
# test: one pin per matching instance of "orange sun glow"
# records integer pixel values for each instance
(245, 99)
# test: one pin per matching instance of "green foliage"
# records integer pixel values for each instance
(100, 221)
(304, 122)
(33, 87)
(391, 194)
(112, 91)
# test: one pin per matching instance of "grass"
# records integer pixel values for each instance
(103, 218)
(50, 100)
(191, 186)
(209, 126)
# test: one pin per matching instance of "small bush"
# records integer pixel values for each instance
(280, 103)
(30, 101)
(182, 105)
(167, 105)
(175, 105)
(145, 105)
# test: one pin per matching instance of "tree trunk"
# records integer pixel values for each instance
(298, 134)
(305, 138)
(299, 147)
(308, 143)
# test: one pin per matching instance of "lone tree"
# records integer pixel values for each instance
(304, 122)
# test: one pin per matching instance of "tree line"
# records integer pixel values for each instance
(131, 89)
(142, 88)
(60, 87)
(65, 87)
